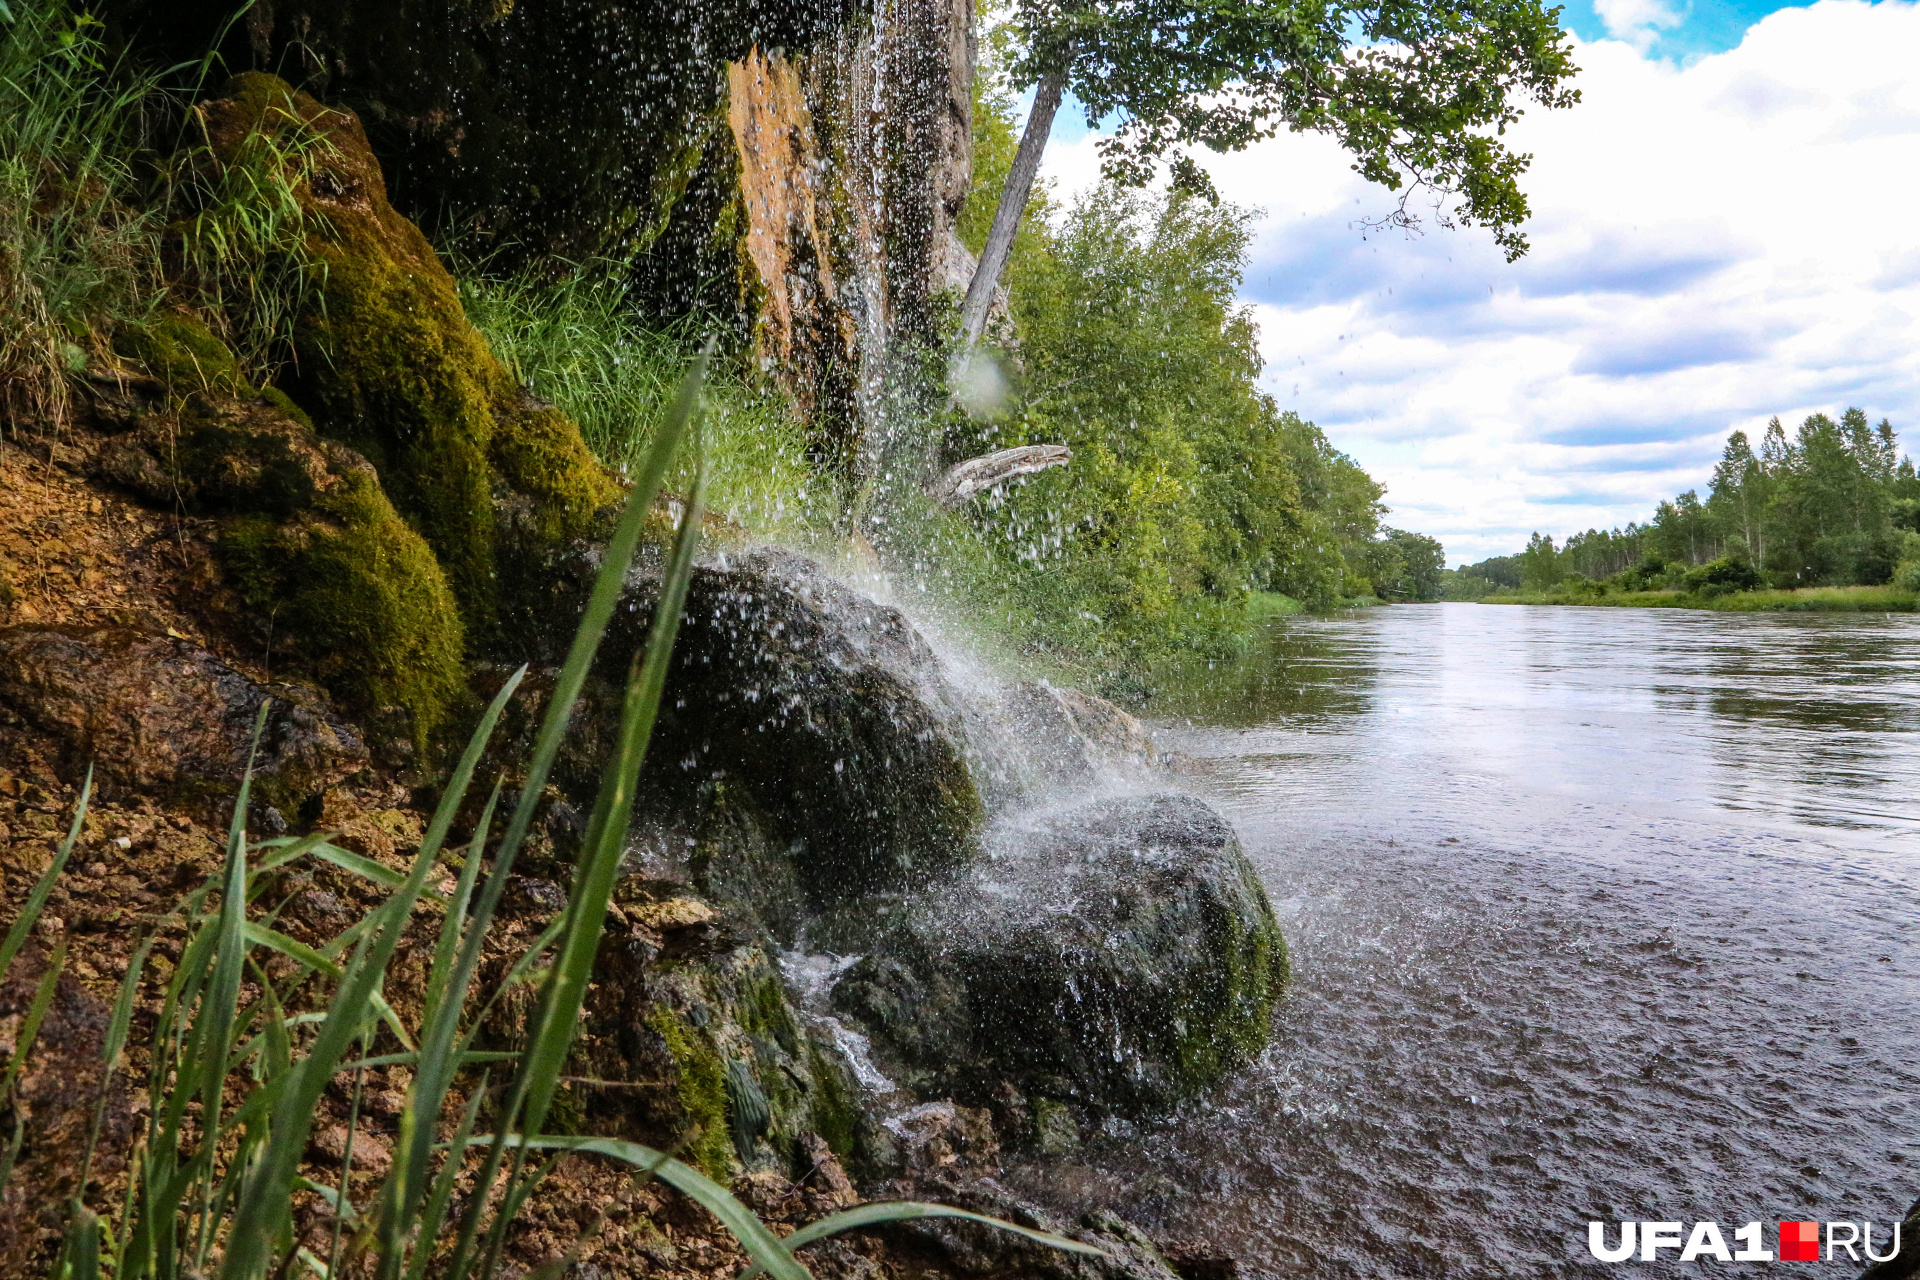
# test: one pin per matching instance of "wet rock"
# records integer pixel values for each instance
(822, 715)
(941, 1139)
(1068, 737)
(1115, 957)
(159, 716)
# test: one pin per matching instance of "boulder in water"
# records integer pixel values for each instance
(1117, 956)
(828, 710)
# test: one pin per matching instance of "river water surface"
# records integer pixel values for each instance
(1595, 913)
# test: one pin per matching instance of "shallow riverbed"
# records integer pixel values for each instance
(1594, 914)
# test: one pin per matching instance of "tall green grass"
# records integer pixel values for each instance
(112, 204)
(79, 254)
(236, 1079)
(578, 344)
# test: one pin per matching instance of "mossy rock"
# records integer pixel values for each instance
(309, 537)
(1117, 957)
(389, 364)
(823, 708)
(709, 1054)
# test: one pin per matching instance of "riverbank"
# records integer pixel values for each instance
(1804, 600)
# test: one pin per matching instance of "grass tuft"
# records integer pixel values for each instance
(79, 255)
(578, 344)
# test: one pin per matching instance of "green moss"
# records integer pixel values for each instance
(391, 366)
(361, 593)
(835, 1112)
(182, 352)
(768, 1015)
(284, 403)
(1231, 1025)
(539, 452)
(403, 382)
(702, 1089)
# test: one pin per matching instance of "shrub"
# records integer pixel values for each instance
(1727, 573)
(577, 342)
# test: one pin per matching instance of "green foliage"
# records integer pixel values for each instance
(1832, 505)
(1540, 566)
(577, 342)
(238, 233)
(1478, 581)
(1419, 91)
(79, 256)
(1188, 487)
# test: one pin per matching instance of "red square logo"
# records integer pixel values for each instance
(1799, 1242)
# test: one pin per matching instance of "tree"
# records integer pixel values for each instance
(1737, 499)
(1419, 91)
(1422, 561)
(1540, 568)
(1682, 531)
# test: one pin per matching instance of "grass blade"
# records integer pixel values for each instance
(117, 1029)
(22, 1046)
(43, 888)
(81, 1257)
(434, 1214)
(36, 1012)
(214, 1023)
(870, 1215)
(607, 589)
(768, 1251)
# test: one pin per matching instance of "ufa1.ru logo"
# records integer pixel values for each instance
(1798, 1242)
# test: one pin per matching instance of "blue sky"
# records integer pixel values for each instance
(1720, 234)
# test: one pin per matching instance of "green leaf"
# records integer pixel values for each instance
(870, 1215)
(30, 1028)
(768, 1251)
(37, 900)
(22, 1046)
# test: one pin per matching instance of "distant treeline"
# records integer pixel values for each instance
(1832, 505)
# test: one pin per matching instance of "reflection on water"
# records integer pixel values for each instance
(1595, 914)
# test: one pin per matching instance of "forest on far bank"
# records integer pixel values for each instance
(1833, 505)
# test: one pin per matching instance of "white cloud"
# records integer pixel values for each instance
(1712, 244)
(1638, 22)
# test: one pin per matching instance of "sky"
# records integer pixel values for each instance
(1723, 230)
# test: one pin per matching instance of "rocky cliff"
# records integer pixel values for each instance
(792, 171)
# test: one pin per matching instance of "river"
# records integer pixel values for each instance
(1594, 914)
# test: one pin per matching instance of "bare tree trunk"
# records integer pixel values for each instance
(976, 475)
(1013, 203)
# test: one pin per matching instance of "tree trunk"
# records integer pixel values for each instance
(976, 475)
(1013, 203)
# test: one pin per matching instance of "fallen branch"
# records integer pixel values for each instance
(963, 480)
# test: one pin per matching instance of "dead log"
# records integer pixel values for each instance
(963, 480)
